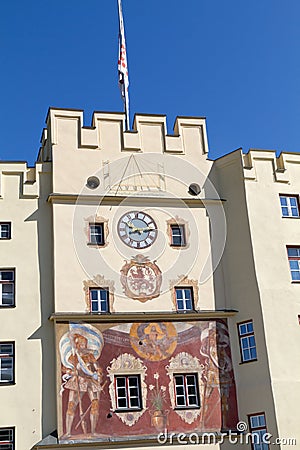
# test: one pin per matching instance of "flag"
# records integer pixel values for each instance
(122, 66)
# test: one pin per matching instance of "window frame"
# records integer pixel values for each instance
(102, 226)
(257, 429)
(13, 356)
(9, 231)
(99, 289)
(6, 282)
(182, 228)
(289, 207)
(11, 441)
(127, 392)
(243, 336)
(186, 394)
(183, 288)
(293, 258)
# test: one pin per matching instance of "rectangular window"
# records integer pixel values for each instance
(7, 375)
(128, 392)
(96, 233)
(99, 298)
(247, 341)
(294, 262)
(184, 298)
(5, 230)
(186, 391)
(289, 205)
(7, 438)
(7, 288)
(257, 427)
(178, 235)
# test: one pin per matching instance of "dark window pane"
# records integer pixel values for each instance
(296, 276)
(243, 329)
(103, 294)
(292, 251)
(179, 293)
(193, 400)
(7, 275)
(134, 402)
(94, 294)
(120, 382)
(180, 401)
(249, 327)
(122, 403)
(133, 381)
(283, 201)
(95, 307)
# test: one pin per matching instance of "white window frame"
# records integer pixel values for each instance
(257, 430)
(128, 396)
(101, 303)
(10, 283)
(185, 299)
(180, 235)
(96, 235)
(186, 395)
(246, 331)
(9, 434)
(290, 208)
(5, 235)
(10, 358)
(93, 235)
(295, 259)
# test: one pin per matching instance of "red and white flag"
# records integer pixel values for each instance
(122, 66)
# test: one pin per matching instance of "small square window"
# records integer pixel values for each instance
(5, 230)
(96, 231)
(294, 262)
(289, 205)
(7, 438)
(184, 299)
(247, 341)
(178, 235)
(99, 300)
(7, 362)
(186, 390)
(128, 392)
(258, 429)
(7, 288)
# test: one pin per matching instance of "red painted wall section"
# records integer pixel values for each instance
(91, 356)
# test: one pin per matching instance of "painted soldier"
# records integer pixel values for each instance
(82, 375)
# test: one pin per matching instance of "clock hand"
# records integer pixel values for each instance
(130, 224)
(149, 229)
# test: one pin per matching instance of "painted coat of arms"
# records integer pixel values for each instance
(141, 279)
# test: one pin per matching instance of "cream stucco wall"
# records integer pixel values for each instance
(28, 404)
(280, 298)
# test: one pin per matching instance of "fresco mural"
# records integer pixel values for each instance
(137, 379)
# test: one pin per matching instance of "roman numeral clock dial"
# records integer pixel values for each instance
(137, 229)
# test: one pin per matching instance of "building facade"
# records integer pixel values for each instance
(147, 291)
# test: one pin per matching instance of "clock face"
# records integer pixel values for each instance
(137, 229)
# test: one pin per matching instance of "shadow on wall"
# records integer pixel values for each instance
(45, 333)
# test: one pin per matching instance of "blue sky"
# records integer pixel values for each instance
(234, 62)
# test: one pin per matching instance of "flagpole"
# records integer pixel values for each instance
(123, 67)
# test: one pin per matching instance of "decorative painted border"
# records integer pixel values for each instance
(178, 221)
(127, 364)
(96, 220)
(99, 281)
(183, 280)
(185, 363)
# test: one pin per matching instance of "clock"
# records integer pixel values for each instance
(137, 229)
